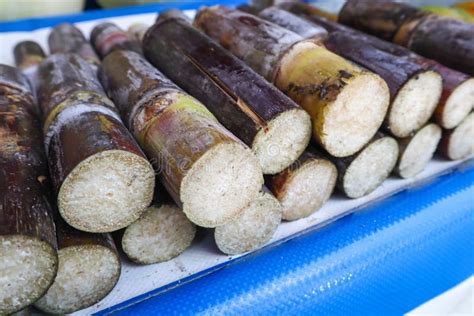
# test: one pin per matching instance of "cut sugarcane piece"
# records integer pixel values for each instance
(448, 41)
(107, 37)
(458, 143)
(301, 8)
(252, 229)
(102, 178)
(416, 151)
(415, 91)
(28, 54)
(205, 168)
(320, 81)
(380, 18)
(136, 31)
(65, 76)
(161, 234)
(303, 187)
(363, 172)
(66, 38)
(28, 258)
(173, 14)
(89, 268)
(276, 129)
(292, 22)
(104, 182)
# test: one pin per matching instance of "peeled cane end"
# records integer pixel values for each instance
(307, 189)
(161, 234)
(335, 93)
(419, 151)
(458, 105)
(107, 191)
(220, 184)
(282, 141)
(360, 109)
(371, 167)
(252, 229)
(86, 275)
(460, 143)
(27, 268)
(415, 103)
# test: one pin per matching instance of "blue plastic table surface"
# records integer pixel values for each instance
(387, 258)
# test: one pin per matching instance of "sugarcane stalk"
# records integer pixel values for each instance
(414, 90)
(252, 229)
(162, 232)
(292, 22)
(417, 150)
(380, 18)
(107, 37)
(89, 268)
(207, 170)
(28, 258)
(363, 172)
(66, 38)
(457, 143)
(28, 55)
(272, 125)
(172, 14)
(102, 179)
(136, 31)
(318, 80)
(302, 9)
(448, 41)
(305, 186)
(457, 98)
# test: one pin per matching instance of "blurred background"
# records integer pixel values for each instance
(19, 9)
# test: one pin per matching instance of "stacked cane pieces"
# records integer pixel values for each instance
(27, 235)
(457, 98)
(207, 170)
(78, 251)
(103, 179)
(101, 176)
(347, 104)
(404, 120)
(449, 41)
(272, 125)
(331, 84)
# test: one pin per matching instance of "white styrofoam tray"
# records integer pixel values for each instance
(203, 254)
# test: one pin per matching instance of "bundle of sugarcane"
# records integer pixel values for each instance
(416, 148)
(207, 170)
(107, 37)
(271, 124)
(457, 98)
(66, 38)
(28, 246)
(347, 104)
(414, 89)
(160, 234)
(102, 178)
(449, 41)
(78, 252)
(305, 186)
